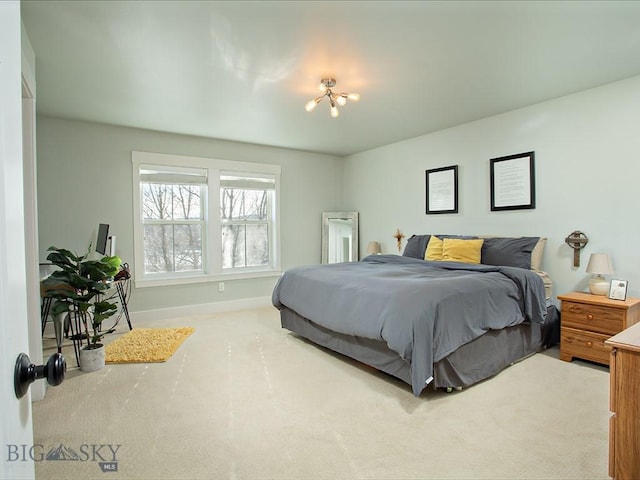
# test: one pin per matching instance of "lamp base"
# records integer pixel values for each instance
(598, 285)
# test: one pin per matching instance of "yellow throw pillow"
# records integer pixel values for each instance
(434, 249)
(459, 250)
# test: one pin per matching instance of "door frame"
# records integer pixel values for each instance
(30, 185)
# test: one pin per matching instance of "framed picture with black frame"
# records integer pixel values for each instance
(513, 185)
(442, 190)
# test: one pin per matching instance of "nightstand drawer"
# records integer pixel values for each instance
(586, 345)
(592, 317)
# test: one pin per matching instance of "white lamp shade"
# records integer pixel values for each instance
(373, 248)
(600, 263)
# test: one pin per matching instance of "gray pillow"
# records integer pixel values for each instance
(508, 252)
(416, 245)
(462, 237)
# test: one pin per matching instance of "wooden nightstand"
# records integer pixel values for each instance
(586, 321)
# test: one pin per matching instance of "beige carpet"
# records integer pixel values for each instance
(244, 399)
(147, 345)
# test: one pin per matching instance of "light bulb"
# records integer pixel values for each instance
(311, 104)
(334, 110)
(341, 100)
(322, 87)
(353, 96)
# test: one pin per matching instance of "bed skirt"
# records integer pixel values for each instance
(473, 362)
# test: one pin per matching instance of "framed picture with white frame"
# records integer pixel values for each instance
(618, 290)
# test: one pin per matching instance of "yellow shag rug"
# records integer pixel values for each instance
(147, 345)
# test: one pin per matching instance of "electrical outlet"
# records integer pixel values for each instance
(221, 286)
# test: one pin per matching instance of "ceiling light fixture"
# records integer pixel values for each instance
(335, 99)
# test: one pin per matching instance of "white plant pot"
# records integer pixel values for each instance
(92, 360)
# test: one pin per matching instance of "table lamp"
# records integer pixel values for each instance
(373, 248)
(600, 265)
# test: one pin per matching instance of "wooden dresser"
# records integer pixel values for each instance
(624, 402)
(586, 321)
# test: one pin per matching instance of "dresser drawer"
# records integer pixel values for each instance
(586, 345)
(592, 317)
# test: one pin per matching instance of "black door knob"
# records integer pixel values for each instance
(25, 372)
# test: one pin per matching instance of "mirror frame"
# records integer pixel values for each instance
(326, 216)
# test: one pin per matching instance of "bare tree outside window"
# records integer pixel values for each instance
(244, 214)
(173, 224)
(203, 219)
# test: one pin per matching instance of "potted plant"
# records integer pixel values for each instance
(78, 286)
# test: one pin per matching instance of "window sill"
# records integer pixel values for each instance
(184, 280)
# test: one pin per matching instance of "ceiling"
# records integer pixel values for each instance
(243, 71)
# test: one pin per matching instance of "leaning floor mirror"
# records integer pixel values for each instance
(339, 237)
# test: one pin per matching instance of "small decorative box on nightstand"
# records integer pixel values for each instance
(586, 321)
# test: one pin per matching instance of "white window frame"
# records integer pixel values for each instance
(212, 248)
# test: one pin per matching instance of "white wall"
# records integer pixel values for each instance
(587, 148)
(84, 178)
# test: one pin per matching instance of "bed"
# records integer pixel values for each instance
(448, 313)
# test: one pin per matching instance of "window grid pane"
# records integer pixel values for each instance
(241, 204)
(245, 245)
(173, 248)
(171, 202)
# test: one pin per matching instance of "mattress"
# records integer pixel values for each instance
(473, 362)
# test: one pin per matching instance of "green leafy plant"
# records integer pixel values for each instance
(76, 285)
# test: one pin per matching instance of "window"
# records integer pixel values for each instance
(246, 220)
(178, 235)
(173, 216)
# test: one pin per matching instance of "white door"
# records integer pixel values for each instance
(16, 431)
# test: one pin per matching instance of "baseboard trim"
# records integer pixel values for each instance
(201, 309)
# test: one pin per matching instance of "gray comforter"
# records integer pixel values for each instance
(422, 310)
